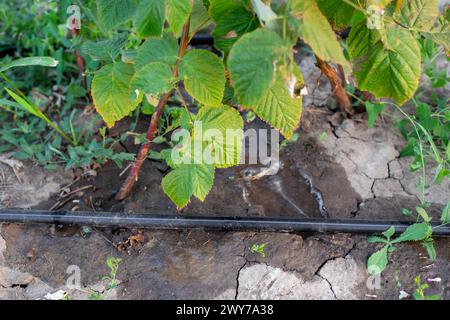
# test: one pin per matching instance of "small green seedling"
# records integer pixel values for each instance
(258, 249)
(419, 293)
(417, 232)
(113, 265)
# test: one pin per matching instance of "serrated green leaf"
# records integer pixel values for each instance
(163, 49)
(218, 8)
(423, 214)
(204, 76)
(361, 39)
(376, 239)
(338, 12)
(113, 13)
(105, 49)
(264, 13)
(316, 31)
(391, 69)
(418, 14)
(111, 91)
(251, 64)
(389, 232)
(129, 56)
(31, 61)
(231, 25)
(441, 33)
(373, 112)
(149, 18)
(199, 17)
(188, 180)
(177, 13)
(153, 78)
(223, 128)
(415, 232)
(280, 108)
(431, 251)
(378, 261)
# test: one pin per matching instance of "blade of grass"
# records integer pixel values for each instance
(31, 61)
(34, 110)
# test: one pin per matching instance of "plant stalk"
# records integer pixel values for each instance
(80, 60)
(133, 176)
(338, 89)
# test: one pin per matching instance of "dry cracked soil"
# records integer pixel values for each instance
(357, 172)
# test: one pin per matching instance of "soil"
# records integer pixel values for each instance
(356, 171)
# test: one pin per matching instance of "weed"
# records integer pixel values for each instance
(258, 249)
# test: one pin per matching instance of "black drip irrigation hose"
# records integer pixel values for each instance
(104, 219)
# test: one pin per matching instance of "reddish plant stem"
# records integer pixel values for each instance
(133, 176)
(143, 151)
(80, 60)
(338, 89)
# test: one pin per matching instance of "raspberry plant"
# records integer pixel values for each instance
(142, 58)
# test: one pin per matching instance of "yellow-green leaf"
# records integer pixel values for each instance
(391, 69)
(252, 65)
(177, 13)
(111, 91)
(204, 76)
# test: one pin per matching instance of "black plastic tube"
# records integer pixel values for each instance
(103, 219)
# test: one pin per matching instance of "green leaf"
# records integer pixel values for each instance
(111, 91)
(378, 261)
(280, 108)
(129, 56)
(177, 13)
(391, 69)
(105, 49)
(441, 33)
(419, 15)
(32, 61)
(188, 180)
(231, 26)
(251, 65)
(317, 32)
(429, 246)
(423, 214)
(31, 108)
(34, 110)
(222, 128)
(218, 8)
(389, 232)
(149, 18)
(338, 12)
(204, 76)
(163, 49)
(361, 39)
(199, 17)
(373, 112)
(153, 78)
(113, 13)
(415, 232)
(264, 12)
(445, 216)
(376, 239)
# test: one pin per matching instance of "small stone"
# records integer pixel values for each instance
(263, 282)
(9, 278)
(388, 188)
(345, 276)
(11, 293)
(37, 289)
(395, 170)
